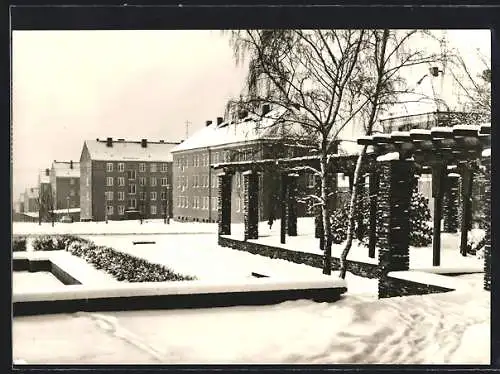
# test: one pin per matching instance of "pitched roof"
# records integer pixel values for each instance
(122, 150)
(247, 129)
(63, 169)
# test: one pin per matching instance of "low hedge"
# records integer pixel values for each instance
(121, 266)
(19, 244)
(52, 243)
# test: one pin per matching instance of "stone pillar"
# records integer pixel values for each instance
(283, 204)
(251, 204)
(451, 205)
(394, 204)
(466, 208)
(361, 211)
(372, 229)
(487, 222)
(438, 177)
(224, 203)
(292, 204)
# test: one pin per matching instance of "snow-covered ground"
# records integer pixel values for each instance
(444, 328)
(114, 227)
(40, 280)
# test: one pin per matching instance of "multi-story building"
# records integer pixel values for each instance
(31, 199)
(65, 184)
(125, 179)
(45, 194)
(244, 139)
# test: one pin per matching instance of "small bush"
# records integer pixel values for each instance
(338, 224)
(19, 244)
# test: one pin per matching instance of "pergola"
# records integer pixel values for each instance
(391, 163)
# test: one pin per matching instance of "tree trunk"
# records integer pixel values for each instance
(327, 237)
(352, 212)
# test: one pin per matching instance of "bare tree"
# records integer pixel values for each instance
(45, 204)
(325, 80)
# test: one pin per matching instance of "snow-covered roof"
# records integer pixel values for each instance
(31, 193)
(66, 169)
(244, 130)
(122, 150)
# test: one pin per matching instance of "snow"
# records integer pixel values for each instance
(389, 156)
(129, 227)
(420, 132)
(130, 150)
(466, 127)
(425, 278)
(39, 281)
(486, 152)
(444, 328)
(62, 169)
(442, 129)
(453, 175)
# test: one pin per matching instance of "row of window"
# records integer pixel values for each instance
(202, 159)
(109, 195)
(142, 167)
(197, 202)
(120, 209)
(142, 181)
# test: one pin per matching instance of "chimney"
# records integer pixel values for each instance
(121, 140)
(144, 143)
(219, 120)
(47, 172)
(109, 142)
(208, 123)
(71, 164)
(97, 139)
(265, 109)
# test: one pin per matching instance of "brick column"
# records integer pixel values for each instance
(361, 208)
(487, 222)
(224, 203)
(251, 204)
(465, 216)
(292, 204)
(450, 208)
(394, 203)
(372, 229)
(283, 205)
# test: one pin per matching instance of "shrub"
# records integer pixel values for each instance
(420, 217)
(338, 224)
(19, 244)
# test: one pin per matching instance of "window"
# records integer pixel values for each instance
(142, 181)
(164, 167)
(178, 182)
(153, 168)
(153, 196)
(238, 204)
(88, 180)
(121, 181)
(214, 203)
(121, 195)
(153, 209)
(238, 180)
(109, 210)
(142, 195)
(205, 203)
(163, 195)
(109, 195)
(132, 203)
(109, 167)
(131, 174)
(72, 192)
(196, 202)
(311, 180)
(153, 181)
(121, 210)
(164, 182)
(142, 167)
(178, 202)
(186, 201)
(121, 167)
(109, 181)
(71, 181)
(131, 189)
(216, 157)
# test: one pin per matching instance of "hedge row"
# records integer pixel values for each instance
(19, 244)
(121, 266)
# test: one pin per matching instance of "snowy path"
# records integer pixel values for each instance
(440, 328)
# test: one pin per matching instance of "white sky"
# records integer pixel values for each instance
(68, 86)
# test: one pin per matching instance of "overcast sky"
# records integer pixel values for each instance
(69, 86)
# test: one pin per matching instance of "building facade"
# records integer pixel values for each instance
(31, 200)
(196, 183)
(65, 184)
(125, 179)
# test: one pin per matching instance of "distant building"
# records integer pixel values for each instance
(125, 179)
(244, 139)
(45, 192)
(65, 184)
(31, 200)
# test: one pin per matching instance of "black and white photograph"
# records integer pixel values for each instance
(251, 196)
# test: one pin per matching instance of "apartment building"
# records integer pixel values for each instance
(31, 200)
(244, 139)
(125, 179)
(65, 184)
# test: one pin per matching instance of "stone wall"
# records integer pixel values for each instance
(311, 259)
